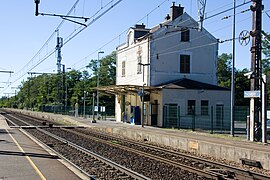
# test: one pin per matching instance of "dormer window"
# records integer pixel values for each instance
(185, 34)
(130, 38)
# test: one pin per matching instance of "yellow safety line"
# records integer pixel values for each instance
(28, 158)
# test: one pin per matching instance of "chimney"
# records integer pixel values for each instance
(176, 11)
(140, 26)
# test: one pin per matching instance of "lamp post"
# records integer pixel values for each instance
(142, 114)
(66, 94)
(98, 63)
(84, 96)
(93, 108)
(15, 94)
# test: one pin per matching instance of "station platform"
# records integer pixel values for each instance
(220, 147)
(22, 158)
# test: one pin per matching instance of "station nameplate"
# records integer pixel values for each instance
(252, 94)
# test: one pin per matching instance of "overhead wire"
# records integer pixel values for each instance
(194, 47)
(21, 72)
(123, 32)
(157, 39)
(113, 4)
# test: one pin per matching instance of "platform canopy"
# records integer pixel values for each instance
(126, 89)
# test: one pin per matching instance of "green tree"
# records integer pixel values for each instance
(224, 70)
(266, 52)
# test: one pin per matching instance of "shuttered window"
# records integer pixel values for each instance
(123, 68)
(184, 63)
(185, 35)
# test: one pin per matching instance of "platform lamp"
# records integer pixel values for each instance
(66, 94)
(84, 97)
(98, 63)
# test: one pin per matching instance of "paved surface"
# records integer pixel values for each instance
(35, 163)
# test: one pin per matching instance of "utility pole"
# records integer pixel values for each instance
(93, 108)
(63, 85)
(59, 45)
(98, 74)
(142, 113)
(201, 10)
(256, 82)
(232, 77)
(84, 98)
(66, 94)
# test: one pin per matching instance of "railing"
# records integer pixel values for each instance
(215, 119)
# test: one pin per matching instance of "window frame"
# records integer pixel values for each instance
(185, 35)
(185, 70)
(139, 66)
(123, 68)
(190, 110)
(205, 108)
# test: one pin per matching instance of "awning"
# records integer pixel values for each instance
(126, 89)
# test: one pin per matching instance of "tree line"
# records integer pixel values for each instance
(66, 88)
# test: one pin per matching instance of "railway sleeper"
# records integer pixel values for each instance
(223, 172)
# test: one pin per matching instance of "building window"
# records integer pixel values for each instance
(184, 63)
(139, 66)
(191, 107)
(185, 35)
(123, 68)
(139, 60)
(204, 107)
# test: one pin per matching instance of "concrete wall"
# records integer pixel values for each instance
(224, 149)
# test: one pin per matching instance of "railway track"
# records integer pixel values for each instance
(202, 168)
(143, 165)
(91, 164)
(178, 157)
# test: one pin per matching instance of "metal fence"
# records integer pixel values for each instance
(214, 119)
(69, 110)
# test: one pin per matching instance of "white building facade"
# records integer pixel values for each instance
(176, 64)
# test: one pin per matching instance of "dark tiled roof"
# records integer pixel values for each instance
(185, 83)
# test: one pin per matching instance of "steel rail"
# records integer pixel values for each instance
(208, 174)
(239, 173)
(123, 169)
(58, 154)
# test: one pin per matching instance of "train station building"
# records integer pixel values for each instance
(175, 65)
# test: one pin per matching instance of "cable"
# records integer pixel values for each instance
(157, 39)
(42, 47)
(94, 19)
(119, 35)
(226, 10)
(69, 39)
(166, 53)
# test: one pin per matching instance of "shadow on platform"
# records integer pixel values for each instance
(12, 153)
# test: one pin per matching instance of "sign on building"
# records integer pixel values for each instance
(252, 94)
(102, 108)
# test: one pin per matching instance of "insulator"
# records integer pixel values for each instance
(254, 7)
(254, 33)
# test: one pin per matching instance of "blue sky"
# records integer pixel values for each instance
(22, 34)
